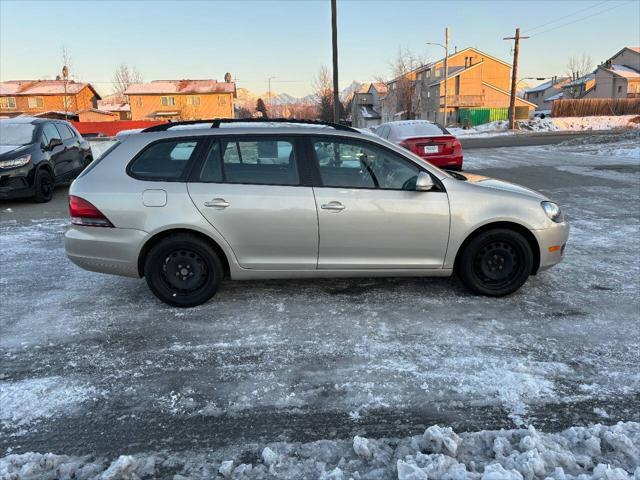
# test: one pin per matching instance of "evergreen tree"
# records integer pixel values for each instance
(262, 108)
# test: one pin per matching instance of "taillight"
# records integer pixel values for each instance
(84, 213)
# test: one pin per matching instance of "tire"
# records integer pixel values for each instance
(496, 262)
(182, 270)
(43, 186)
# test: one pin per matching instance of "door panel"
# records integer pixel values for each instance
(382, 228)
(268, 227)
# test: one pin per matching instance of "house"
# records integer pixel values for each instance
(119, 107)
(366, 105)
(97, 115)
(544, 94)
(31, 97)
(619, 76)
(582, 87)
(181, 99)
(476, 80)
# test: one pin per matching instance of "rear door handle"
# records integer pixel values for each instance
(217, 203)
(333, 206)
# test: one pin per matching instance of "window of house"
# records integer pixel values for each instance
(139, 101)
(428, 73)
(164, 160)
(437, 72)
(619, 88)
(193, 100)
(168, 101)
(262, 161)
(67, 102)
(353, 164)
(222, 100)
(35, 102)
(8, 102)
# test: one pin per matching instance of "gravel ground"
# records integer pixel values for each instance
(93, 364)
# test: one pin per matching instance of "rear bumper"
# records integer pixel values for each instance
(105, 250)
(552, 242)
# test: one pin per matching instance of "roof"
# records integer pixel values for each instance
(557, 96)
(548, 84)
(518, 99)
(580, 81)
(158, 87)
(97, 110)
(114, 107)
(44, 87)
(623, 71)
(380, 87)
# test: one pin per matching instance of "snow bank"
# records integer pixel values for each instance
(547, 124)
(98, 147)
(579, 453)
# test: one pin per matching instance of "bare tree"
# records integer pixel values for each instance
(64, 75)
(579, 65)
(123, 77)
(323, 95)
(403, 85)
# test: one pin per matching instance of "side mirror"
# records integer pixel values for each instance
(53, 143)
(424, 182)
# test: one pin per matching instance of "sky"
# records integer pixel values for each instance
(290, 40)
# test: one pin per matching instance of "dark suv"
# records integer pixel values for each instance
(36, 154)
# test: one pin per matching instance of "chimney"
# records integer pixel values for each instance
(455, 49)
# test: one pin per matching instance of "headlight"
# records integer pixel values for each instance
(553, 211)
(15, 162)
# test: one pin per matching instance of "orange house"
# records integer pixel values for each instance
(181, 99)
(32, 97)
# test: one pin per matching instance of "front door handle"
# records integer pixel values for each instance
(217, 203)
(333, 206)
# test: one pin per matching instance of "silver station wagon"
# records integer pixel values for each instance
(186, 207)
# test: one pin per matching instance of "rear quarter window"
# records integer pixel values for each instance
(165, 160)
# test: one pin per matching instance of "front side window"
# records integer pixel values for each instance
(353, 164)
(168, 101)
(50, 132)
(164, 160)
(65, 133)
(263, 161)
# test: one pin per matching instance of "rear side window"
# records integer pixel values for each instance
(262, 161)
(163, 160)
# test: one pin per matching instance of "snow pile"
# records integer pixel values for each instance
(98, 147)
(579, 453)
(548, 124)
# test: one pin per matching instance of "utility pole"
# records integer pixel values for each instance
(446, 72)
(514, 76)
(334, 42)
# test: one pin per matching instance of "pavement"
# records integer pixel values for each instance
(95, 364)
(528, 139)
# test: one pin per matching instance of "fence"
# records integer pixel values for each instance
(470, 117)
(587, 107)
(110, 129)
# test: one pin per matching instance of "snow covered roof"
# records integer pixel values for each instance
(557, 96)
(114, 107)
(548, 84)
(97, 110)
(159, 87)
(635, 49)
(43, 87)
(380, 87)
(581, 80)
(369, 112)
(624, 71)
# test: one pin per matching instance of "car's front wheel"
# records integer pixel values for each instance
(43, 186)
(496, 262)
(183, 270)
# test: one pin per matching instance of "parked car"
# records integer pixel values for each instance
(187, 208)
(428, 140)
(37, 154)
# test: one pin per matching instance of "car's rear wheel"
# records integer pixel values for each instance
(43, 186)
(183, 270)
(496, 262)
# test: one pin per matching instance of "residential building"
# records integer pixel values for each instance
(582, 87)
(120, 107)
(97, 115)
(544, 94)
(181, 99)
(476, 80)
(32, 97)
(619, 76)
(367, 105)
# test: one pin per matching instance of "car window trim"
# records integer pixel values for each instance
(316, 163)
(197, 151)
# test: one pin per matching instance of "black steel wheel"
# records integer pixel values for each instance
(183, 270)
(496, 262)
(43, 186)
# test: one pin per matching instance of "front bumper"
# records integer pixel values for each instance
(105, 250)
(552, 242)
(15, 184)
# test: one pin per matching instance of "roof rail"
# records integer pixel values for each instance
(216, 122)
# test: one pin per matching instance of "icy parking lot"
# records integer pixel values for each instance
(94, 367)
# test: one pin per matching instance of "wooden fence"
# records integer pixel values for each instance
(588, 107)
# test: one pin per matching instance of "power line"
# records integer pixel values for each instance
(582, 18)
(528, 30)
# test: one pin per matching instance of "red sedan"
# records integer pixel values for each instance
(426, 139)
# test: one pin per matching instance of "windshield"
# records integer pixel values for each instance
(16, 133)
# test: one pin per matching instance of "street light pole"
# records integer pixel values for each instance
(334, 43)
(446, 72)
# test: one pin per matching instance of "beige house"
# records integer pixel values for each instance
(544, 94)
(181, 99)
(366, 108)
(619, 76)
